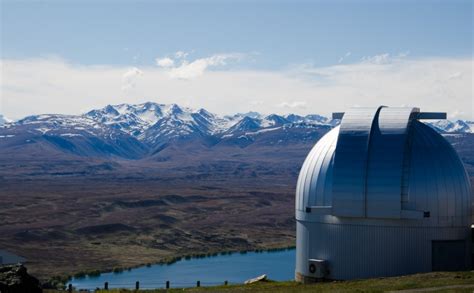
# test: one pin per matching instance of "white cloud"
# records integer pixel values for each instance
(55, 86)
(455, 75)
(181, 54)
(256, 102)
(456, 114)
(344, 57)
(197, 67)
(384, 58)
(292, 105)
(129, 77)
(165, 62)
(131, 73)
(403, 54)
(189, 70)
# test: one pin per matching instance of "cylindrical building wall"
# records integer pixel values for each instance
(381, 195)
(356, 251)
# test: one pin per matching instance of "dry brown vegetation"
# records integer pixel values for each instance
(68, 214)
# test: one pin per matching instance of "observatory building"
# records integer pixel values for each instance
(382, 195)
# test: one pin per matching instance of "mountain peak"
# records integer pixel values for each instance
(458, 126)
(294, 118)
(174, 109)
(250, 114)
(245, 124)
(205, 113)
(154, 124)
(109, 109)
(4, 120)
(149, 105)
(275, 120)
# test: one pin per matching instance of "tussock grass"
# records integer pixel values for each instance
(428, 280)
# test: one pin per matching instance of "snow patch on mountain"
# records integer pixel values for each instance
(4, 120)
(458, 126)
(154, 124)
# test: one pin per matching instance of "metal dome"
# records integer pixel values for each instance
(378, 195)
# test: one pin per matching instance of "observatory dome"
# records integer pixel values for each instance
(382, 194)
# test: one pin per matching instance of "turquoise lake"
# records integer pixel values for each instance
(210, 271)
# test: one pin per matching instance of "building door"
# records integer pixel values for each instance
(449, 255)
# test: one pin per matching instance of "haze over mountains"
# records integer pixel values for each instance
(136, 131)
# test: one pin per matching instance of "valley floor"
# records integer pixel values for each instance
(142, 213)
(70, 214)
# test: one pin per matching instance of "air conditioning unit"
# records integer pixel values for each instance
(318, 268)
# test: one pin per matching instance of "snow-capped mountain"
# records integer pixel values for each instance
(152, 119)
(244, 125)
(57, 124)
(458, 126)
(77, 134)
(132, 119)
(134, 130)
(154, 123)
(4, 120)
(150, 122)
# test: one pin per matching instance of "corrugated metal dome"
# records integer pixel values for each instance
(381, 167)
(436, 181)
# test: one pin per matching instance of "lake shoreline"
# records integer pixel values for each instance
(166, 261)
(233, 267)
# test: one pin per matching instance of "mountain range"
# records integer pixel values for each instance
(136, 131)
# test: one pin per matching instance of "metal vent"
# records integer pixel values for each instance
(317, 268)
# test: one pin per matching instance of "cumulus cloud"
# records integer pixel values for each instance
(189, 70)
(403, 54)
(129, 77)
(165, 62)
(456, 114)
(384, 58)
(36, 86)
(344, 57)
(181, 54)
(292, 105)
(186, 70)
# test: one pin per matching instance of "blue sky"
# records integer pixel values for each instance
(257, 36)
(111, 32)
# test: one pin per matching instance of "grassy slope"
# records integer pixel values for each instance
(146, 211)
(429, 280)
